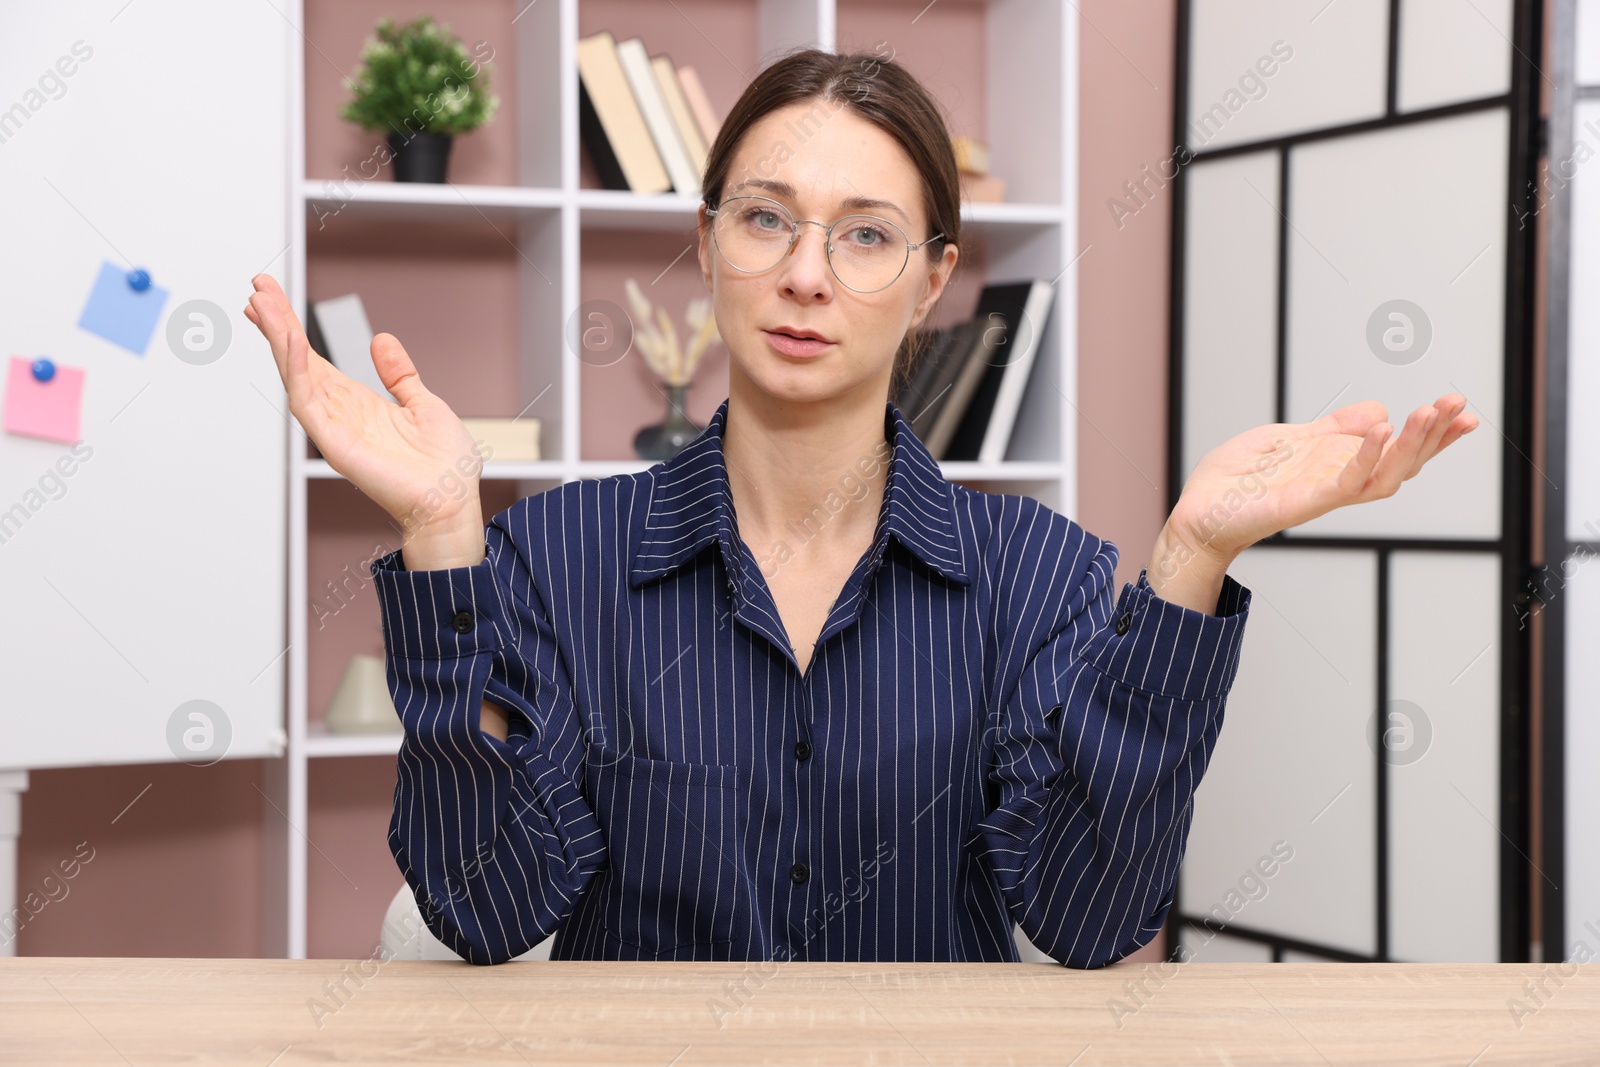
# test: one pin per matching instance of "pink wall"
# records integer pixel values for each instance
(178, 874)
(1125, 121)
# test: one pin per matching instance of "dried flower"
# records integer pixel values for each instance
(657, 338)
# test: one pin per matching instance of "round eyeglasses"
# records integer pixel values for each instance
(753, 234)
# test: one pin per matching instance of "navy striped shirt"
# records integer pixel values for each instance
(985, 734)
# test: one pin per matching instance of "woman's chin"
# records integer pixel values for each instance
(804, 385)
(783, 380)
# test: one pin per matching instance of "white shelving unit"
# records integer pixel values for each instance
(1030, 59)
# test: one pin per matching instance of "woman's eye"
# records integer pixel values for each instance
(866, 236)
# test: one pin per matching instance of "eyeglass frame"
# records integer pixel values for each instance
(827, 240)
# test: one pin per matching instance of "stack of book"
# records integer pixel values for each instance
(646, 124)
(962, 399)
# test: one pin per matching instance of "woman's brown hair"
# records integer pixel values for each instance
(885, 94)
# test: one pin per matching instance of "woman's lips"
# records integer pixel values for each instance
(799, 347)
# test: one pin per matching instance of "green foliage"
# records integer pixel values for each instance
(419, 77)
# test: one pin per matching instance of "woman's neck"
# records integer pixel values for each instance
(812, 472)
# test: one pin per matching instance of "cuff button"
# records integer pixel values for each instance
(462, 622)
(1124, 621)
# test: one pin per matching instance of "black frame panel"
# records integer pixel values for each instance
(1550, 620)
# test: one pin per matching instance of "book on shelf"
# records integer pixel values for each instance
(338, 328)
(936, 397)
(611, 123)
(506, 439)
(657, 118)
(986, 425)
(683, 119)
(700, 104)
(645, 123)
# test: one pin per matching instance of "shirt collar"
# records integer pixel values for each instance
(691, 506)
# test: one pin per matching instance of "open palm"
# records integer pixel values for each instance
(1281, 475)
(399, 455)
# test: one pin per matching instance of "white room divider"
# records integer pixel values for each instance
(1343, 231)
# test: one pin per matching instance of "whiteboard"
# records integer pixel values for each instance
(144, 571)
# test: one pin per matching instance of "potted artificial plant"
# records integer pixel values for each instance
(418, 83)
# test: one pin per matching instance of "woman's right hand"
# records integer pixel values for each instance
(415, 459)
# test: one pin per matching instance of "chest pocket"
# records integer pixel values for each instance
(673, 875)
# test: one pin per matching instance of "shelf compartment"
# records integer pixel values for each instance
(521, 43)
(346, 531)
(477, 305)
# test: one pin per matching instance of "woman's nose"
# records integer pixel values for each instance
(806, 266)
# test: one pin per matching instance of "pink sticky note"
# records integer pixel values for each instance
(43, 409)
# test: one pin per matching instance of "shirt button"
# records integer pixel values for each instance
(1124, 621)
(798, 874)
(462, 622)
(802, 751)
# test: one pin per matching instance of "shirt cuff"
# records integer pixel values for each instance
(439, 614)
(1160, 647)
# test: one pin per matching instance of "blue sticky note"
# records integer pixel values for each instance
(120, 313)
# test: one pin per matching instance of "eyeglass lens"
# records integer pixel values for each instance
(753, 233)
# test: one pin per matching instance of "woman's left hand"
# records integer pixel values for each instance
(1277, 476)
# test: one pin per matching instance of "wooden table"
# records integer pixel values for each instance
(278, 1013)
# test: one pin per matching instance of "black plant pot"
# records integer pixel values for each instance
(420, 157)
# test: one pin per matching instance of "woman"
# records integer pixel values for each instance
(791, 694)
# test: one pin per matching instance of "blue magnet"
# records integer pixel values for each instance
(139, 279)
(44, 369)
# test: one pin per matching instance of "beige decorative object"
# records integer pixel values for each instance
(978, 186)
(362, 705)
(972, 155)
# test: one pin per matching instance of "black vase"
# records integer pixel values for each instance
(420, 157)
(666, 439)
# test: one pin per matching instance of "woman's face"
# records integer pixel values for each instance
(819, 159)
